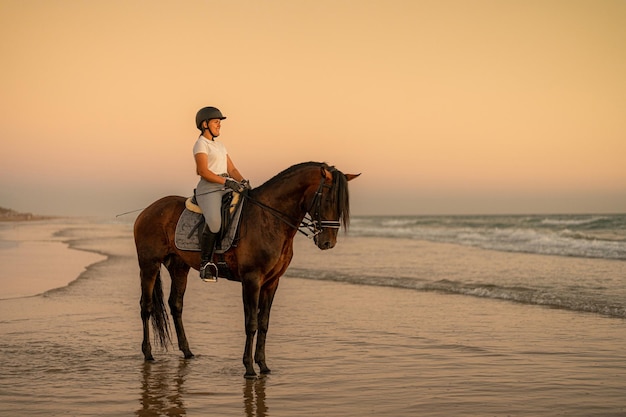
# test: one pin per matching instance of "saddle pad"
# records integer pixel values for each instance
(186, 235)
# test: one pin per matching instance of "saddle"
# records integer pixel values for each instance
(191, 223)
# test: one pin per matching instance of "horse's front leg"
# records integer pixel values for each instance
(250, 292)
(265, 305)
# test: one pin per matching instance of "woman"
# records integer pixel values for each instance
(218, 175)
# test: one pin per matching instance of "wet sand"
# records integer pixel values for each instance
(33, 259)
(336, 349)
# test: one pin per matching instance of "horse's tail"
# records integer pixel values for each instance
(160, 319)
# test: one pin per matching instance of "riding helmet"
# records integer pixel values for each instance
(208, 113)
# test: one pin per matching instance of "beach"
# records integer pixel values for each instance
(35, 257)
(336, 347)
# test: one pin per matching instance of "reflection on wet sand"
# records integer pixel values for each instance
(254, 397)
(162, 389)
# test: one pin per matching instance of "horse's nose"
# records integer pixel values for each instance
(326, 244)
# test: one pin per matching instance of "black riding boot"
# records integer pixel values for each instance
(208, 270)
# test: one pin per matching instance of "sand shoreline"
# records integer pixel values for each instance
(34, 259)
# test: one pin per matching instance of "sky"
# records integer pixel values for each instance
(444, 106)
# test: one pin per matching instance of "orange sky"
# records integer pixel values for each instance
(446, 107)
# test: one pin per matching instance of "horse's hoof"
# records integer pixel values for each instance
(252, 375)
(189, 355)
(149, 358)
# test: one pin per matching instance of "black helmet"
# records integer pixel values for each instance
(207, 113)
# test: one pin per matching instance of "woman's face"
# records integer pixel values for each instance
(214, 126)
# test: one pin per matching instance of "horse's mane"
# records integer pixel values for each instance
(340, 195)
(292, 169)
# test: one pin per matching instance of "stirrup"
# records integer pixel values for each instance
(208, 272)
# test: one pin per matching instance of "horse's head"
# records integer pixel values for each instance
(330, 206)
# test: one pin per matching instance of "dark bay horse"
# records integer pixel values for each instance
(271, 216)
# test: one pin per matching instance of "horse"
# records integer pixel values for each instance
(310, 194)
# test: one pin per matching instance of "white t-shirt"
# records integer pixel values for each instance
(217, 153)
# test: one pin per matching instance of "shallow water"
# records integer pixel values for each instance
(336, 348)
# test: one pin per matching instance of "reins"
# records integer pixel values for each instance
(313, 225)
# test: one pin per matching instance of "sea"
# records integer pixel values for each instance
(575, 262)
(507, 315)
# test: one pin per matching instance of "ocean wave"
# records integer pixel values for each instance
(545, 297)
(574, 221)
(576, 236)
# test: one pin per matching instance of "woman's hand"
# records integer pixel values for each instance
(233, 185)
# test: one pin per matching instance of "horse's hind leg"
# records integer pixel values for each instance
(178, 271)
(148, 274)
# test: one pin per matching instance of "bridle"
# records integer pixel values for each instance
(312, 221)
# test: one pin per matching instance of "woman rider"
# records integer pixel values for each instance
(218, 175)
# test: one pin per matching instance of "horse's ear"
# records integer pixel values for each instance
(352, 176)
(327, 174)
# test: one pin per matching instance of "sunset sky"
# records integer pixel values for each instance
(445, 107)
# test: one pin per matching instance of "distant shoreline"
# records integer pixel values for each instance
(8, 215)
